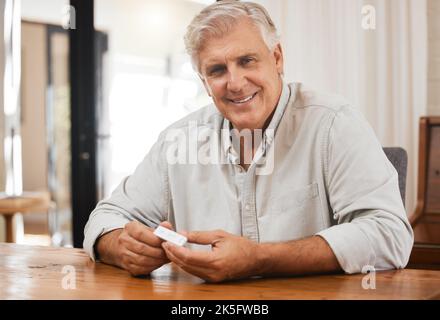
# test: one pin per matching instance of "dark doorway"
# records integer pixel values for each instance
(86, 50)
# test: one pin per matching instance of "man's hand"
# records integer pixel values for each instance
(135, 248)
(232, 257)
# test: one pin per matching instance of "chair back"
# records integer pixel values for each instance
(399, 158)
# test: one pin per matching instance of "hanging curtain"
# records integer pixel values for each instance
(382, 71)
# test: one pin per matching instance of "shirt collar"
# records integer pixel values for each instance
(270, 131)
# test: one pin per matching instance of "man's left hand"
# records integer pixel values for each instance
(231, 257)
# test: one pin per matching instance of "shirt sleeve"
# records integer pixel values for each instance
(141, 196)
(372, 227)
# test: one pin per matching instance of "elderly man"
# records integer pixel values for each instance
(310, 192)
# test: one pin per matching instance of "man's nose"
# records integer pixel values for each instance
(236, 80)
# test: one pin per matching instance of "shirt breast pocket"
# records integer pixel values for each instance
(294, 199)
(294, 213)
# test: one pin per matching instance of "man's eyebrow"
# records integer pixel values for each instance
(214, 64)
(250, 54)
(247, 55)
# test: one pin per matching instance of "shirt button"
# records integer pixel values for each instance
(247, 206)
(336, 216)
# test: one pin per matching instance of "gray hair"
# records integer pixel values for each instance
(218, 18)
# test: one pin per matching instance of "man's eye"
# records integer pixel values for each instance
(246, 60)
(215, 71)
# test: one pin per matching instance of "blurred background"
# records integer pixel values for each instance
(89, 85)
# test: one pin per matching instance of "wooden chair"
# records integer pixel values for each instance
(426, 218)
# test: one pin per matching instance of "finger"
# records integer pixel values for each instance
(143, 234)
(136, 270)
(205, 237)
(189, 257)
(141, 248)
(166, 224)
(173, 258)
(142, 261)
(206, 273)
(203, 273)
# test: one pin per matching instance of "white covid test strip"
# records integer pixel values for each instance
(171, 236)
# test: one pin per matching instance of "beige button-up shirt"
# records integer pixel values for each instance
(319, 170)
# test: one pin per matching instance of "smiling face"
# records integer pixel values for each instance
(242, 75)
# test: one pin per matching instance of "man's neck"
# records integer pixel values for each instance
(247, 150)
(248, 147)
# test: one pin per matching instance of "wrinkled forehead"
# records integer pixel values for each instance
(221, 40)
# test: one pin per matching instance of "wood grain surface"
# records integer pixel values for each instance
(31, 272)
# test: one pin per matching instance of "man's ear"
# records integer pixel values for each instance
(208, 90)
(279, 58)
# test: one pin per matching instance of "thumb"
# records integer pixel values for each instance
(204, 237)
(166, 224)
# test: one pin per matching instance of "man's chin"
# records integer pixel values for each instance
(244, 124)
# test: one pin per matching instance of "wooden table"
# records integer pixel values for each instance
(28, 202)
(31, 272)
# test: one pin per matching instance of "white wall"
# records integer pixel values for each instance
(2, 128)
(434, 57)
(48, 11)
(148, 28)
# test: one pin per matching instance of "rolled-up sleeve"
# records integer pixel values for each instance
(372, 227)
(141, 196)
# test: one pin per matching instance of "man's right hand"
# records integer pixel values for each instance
(134, 248)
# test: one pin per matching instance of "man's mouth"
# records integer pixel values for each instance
(243, 100)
